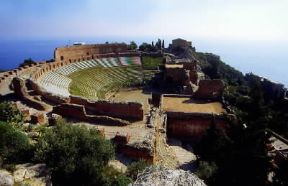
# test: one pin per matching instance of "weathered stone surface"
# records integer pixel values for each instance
(210, 89)
(35, 175)
(6, 179)
(123, 110)
(26, 114)
(38, 118)
(20, 90)
(78, 112)
(158, 176)
(81, 52)
(52, 120)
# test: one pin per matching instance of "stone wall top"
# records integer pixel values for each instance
(87, 51)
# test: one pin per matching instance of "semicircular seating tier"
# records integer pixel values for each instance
(110, 71)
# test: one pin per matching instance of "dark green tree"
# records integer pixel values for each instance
(28, 61)
(76, 155)
(14, 145)
(9, 113)
(133, 45)
(135, 168)
(280, 178)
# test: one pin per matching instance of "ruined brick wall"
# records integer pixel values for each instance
(78, 112)
(210, 89)
(71, 110)
(136, 154)
(127, 111)
(175, 75)
(189, 66)
(20, 90)
(192, 126)
(47, 96)
(16, 72)
(86, 52)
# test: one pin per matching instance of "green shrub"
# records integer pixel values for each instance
(75, 154)
(206, 170)
(135, 168)
(152, 61)
(121, 180)
(10, 113)
(14, 145)
(113, 177)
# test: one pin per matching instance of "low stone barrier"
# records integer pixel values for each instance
(20, 90)
(78, 112)
(128, 111)
(210, 89)
(193, 126)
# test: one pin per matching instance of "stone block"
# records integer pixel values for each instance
(38, 118)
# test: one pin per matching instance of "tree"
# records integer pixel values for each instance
(158, 44)
(135, 168)
(145, 47)
(14, 145)
(28, 61)
(133, 45)
(280, 178)
(76, 155)
(9, 113)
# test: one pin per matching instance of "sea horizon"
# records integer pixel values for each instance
(266, 59)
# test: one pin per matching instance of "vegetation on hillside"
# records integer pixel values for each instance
(132, 46)
(10, 113)
(14, 145)
(151, 62)
(146, 47)
(240, 154)
(28, 61)
(135, 168)
(75, 154)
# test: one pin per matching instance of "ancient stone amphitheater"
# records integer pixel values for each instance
(102, 86)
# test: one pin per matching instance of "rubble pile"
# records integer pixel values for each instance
(158, 176)
(146, 144)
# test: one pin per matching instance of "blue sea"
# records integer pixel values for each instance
(267, 59)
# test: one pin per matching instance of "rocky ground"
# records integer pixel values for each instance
(26, 174)
(159, 176)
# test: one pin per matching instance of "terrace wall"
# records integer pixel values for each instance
(86, 52)
(47, 96)
(137, 154)
(78, 112)
(192, 126)
(16, 72)
(210, 89)
(20, 90)
(127, 111)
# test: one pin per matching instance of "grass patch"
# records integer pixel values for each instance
(149, 62)
(95, 83)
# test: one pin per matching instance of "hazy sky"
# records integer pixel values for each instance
(226, 19)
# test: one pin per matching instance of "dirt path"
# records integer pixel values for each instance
(164, 155)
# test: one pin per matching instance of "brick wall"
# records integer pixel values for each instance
(78, 112)
(127, 111)
(86, 52)
(210, 89)
(192, 126)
